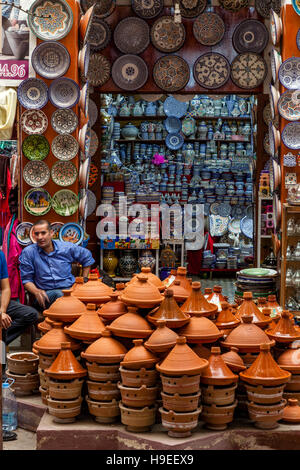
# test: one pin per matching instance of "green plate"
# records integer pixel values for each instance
(35, 147)
(65, 202)
(37, 201)
(258, 272)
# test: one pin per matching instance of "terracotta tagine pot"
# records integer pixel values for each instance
(45, 325)
(217, 417)
(169, 311)
(202, 351)
(226, 321)
(65, 389)
(218, 395)
(78, 282)
(291, 413)
(113, 309)
(105, 350)
(138, 420)
(66, 309)
(266, 416)
(64, 411)
(131, 325)
(290, 359)
(65, 366)
(24, 384)
(104, 412)
(197, 305)
(93, 291)
(216, 297)
(88, 327)
(139, 357)
(274, 305)
(138, 377)
(233, 360)
(284, 331)
(248, 307)
(22, 363)
(120, 287)
(181, 293)
(207, 292)
(50, 343)
(162, 339)
(181, 403)
(151, 278)
(103, 391)
(138, 397)
(262, 303)
(217, 372)
(181, 276)
(179, 424)
(103, 372)
(200, 330)
(181, 360)
(142, 293)
(183, 385)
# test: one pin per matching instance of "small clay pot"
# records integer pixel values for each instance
(264, 395)
(66, 308)
(162, 340)
(138, 397)
(266, 416)
(291, 413)
(169, 312)
(103, 372)
(142, 293)
(44, 393)
(22, 363)
(64, 411)
(179, 424)
(103, 391)
(138, 420)
(45, 325)
(184, 385)
(136, 378)
(218, 395)
(217, 417)
(113, 309)
(65, 389)
(180, 403)
(44, 380)
(139, 356)
(46, 360)
(24, 384)
(131, 325)
(105, 350)
(294, 384)
(94, 291)
(182, 360)
(65, 366)
(104, 411)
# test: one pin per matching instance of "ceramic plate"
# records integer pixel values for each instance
(94, 143)
(92, 202)
(234, 5)
(64, 147)
(275, 28)
(218, 225)
(289, 73)
(33, 93)
(277, 209)
(211, 70)
(276, 174)
(264, 7)
(35, 147)
(173, 107)
(64, 121)
(166, 35)
(50, 59)
(132, 35)
(276, 62)
(250, 36)
(50, 20)
(93, 112)
(65, 202)
(34, 121)
(214, 208)
(191, 9)
(71, 232)
(296, 6)
(97, 62)
(247, 227)
(258, 272)
(174, 141)
(147, 10)
(248, 70)
(224, 209)
(209, 29)
(291, 135)
(129, 72)
(298, 39)
(22, 233)
(171, 73)
(64, 93)
(36, 174)
(83, 207)
(172, 124)
(93, 175)
(103, 8)
(99, 35)
(289, 105)
(37, 201)
(56, 226)
(64, 173)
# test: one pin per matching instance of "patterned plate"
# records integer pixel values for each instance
(35, 147)
(94, 143)
(298, 39)
(64, 121)
(129, 72)
(103, 8)
(248, 70)
(212, 70)
(289, 73)
(173, 107)
(92, 202)
(93, 175)
(33, 93)
(166, 35)
(50, 59)
(56, 226)
(65, 202)
(97, 62)
(224, 209)
(22, 233)
(71, 232)
(267, 144)
(276, 62)
(64, 147)
(289, 105)
(37, 201)
(234, 5)
(64, 173)
(147, 9)
(296, 6)
(250, 36)
(50, 20)
(93, 112)
(174, 141)
(132, 35)
(99, 34)
(209, 29)
(36, 174)
(171, 73)
(34, 121)
(64, 93)
(291, 135)
(214, 208)
(247, 227)
(173, 124)
(264, 7)
(191, 8)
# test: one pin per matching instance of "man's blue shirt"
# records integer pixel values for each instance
(52, 270)
(3, 266)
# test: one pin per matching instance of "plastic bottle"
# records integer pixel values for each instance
(9, 407)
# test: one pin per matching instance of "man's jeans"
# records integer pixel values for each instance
(22, 317)
(52, 296)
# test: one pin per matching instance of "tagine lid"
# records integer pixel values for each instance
(45, 325)
(88, 326)
(202, 351)
(290, 358)
(291, 413)
(284, 331)
(182, 360)
(50, 342)
(181, 276)
(139, 356)
(93, 291)
(248, 307)
(65, 306)
(163, 337)
(225, 318)
(233, 360)
(200, 329)
(142, 292)
(217, 372)
(168, 310)
(196, 303)
(104, 349)
(153, 279)
(131, 323)
(65, 365)
(264, 370)
(180, 292)
(114, 308)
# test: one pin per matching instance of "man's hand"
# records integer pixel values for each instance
(6, 321)
(41, 297)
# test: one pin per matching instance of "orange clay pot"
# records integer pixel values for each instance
(248, 307)
(181, 276)
(162, 339)
(113, 309)
(88, 327)
(50, 343)
(66, 309)
(22, 363)
(141, 293)
(130, 325)
(104, 411)
(151, 278)
(266, 416)
(233, 360)
(216, 297)
(139, 356)
(93, 291)
(226, 320)
(138, 420)
(284, 331)
(105, 350)
(274, 305)
(291, 413)
(217, 372)
(200, 330)
(217, 417)
(179, 424)
(181, 360)
(290, 359)
(181, 293)
(65, 366)
(138, 377)
(274, 318)
(45, 325)
(197, 305)
(169, 311)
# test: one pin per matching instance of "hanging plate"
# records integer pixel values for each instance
(71, 232)
(93, 112)
(64, 121)
(247, 227)
(129, 72)
(289, 73)
(191, 8)
(64, 93)
(64, 173)
(37, 201)
(296, 6)
(34, 121)
(132, 35)
(50, 59)
(166, 35)
(264, 7)
(64, 147)
(250, 36)
(248, 70)
(172, 125)
(103, 8)
(209, 29)
(147, 9)
(171, 73)
(211, 70)
(56, 226)
(224, 209)
(36, 173)
(50, 20)
(174, 141)
(298, 39)
(289, 105)
(33, 93)
(173, 107)
(22, 233)
(65, 202)
(35, 147)
(99, 34)
(291, 135)
(92, 202)
(94, 143)
(93, 175)
(97, 63)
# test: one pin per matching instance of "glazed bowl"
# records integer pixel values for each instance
(64, 93)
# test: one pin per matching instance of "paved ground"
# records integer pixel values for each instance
(26, 441)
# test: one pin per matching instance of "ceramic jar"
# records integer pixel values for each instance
(22, 363)
(127, 263)
(110, 262)
(146, 260)
(129, 131)
(138, 420)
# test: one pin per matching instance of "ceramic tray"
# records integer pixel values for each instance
(289, 105)
(191, 9)
(64, 173)
(147, 10)
(93, 112)
(211, 70)
(99, 35)
(37, 202)
(276, 62)
(258, 272)
(171, 73)
(50, 59)
(291, 135)
(65, 202)
(97, 62)
(247, 227)
(50, 20)
(102, 9)
(83, 207)
(129, 72)
(64, 147)
(289, 73)
(34, 121)
(174, 141)
(64, 93)
(33, 93)
(209, 29)
(36, 173)
(35, 147)
(56, 226)
(132, 35)
(248, 70)
(166, 35)
(250, 36)
(22, 233)
(173, 124)
(173, 107)
(64, 121)
(71, 232)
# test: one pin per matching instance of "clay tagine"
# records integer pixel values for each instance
(106, 350)
(45, 325)
(217, 372)
(142, 293)
(151, 278)
(113, 309)
(200, 330)
(65, 366)
(88, 327)
(162, 339)
(22, 363)
(284, 331)
(139, 357)
(104, 412)
(248, 307)
(226, 321)
(138, 420)
(290, 359)
(196, 304)
(181, 276)
(179, 424)
(131, 325)
(216, 297)
(66, 309)
(291, 413)
(169, 311)
(202, 351)
(181, 293)
(274, 305)
(93, 291)
(50, 343)
(233, 360)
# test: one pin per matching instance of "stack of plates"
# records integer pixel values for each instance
(260, 281)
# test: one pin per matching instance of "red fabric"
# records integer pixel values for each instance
(119, 186)
(194, 258)
(12, 253)
(4, 207)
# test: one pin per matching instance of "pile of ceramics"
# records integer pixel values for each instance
(23, 369)
(260, 281)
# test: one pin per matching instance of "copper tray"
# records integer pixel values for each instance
(171, 73)
(248, 70)
(211, 70)
(166, 35)
(129, 72)
(99, 35)
(209, 29)
(147, 9)
(132, 35)
(250, 36)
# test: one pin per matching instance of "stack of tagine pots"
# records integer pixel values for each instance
(65, 384)
(103, 359)
(113, 309)
(180, 375)
(23, 369)
(284, 332)
(88, 327)
(289, 360)
(138, 388)
(94, 291)
(226, 321)
(169, 312)
(265, 382)
(218, 384)
(248, 307)
(197, 305)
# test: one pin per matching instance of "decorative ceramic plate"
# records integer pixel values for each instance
(129, 72)
(172, 124)
(234, 226)
(84, 58)
(173, 107)
(65, 202)
(99, 35)
(166, 35)
(50, 19)
(171, 73)
(92, 202)
(250, 36)
(37, 201)
(64, 147)
(56, 226)
(34, 121)
(218, 225)
(94, 143)
(147, 9)
(296, 6)
(174, 141)
(103, 8)
(71, 232)
(36, 174)
(277, 209)
(211, 70)
(247, 227)
(289, 105)
(289, 73)
(267, 116)
(64, 173)
(93, 112)
(209, 29)
(275, 28)
(191, 8)
(33, 93)
(298, 39)
(224, 209)
(258, 272)
(64, 93)
(23, 233)
(272, 139)
(248, 70)
(64, 121)
(276, 174)
(291, 135)
(276, 62)
(132, 35)
(35, 147)
(97, 63)
(93, 175)
(267, 144)
(50, 59)
(264, 7)
(213, 209)
(234, 5)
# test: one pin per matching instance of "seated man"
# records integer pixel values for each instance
(46, 265)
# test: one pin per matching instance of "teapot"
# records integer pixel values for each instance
(150, 109)
(294, 194)
(138, 109)
(125, 109)
(129, 132)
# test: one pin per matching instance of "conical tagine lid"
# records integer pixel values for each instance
(141, 293)
(113, 309)
(200, 330)
(217, 372)
(273, 305)
(284, 331)
(226, 319)
(152, 278)
(66, 309)
(248, 307)
(233, 360)
(202, 351)
(50, 343)
(291, 413)
(162, 339)
(65, 366)
(105, 350)
(181, 276)
(131, 325)
(182, 360)
(169, 311)
(139, 357)
(181, 293)
(216, 297)
(88, 327)
(93, 291)
(196, 304)
(45, 325)
(264, 370)
(290, 359)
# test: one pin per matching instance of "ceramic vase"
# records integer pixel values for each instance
(128, 264)
(146, 260)
(110, 262)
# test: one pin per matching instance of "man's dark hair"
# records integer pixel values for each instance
(43, 222)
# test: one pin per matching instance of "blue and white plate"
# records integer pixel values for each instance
(33, 93)
(173, 107)
(23, 233)
(71, 232)
(289, 73)
(51, 59)
(247, 227)
(64, 93)
(296, 6)
(224, 209)
(173, 124)
(174, 141)
(291, 135)
(298, 39)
